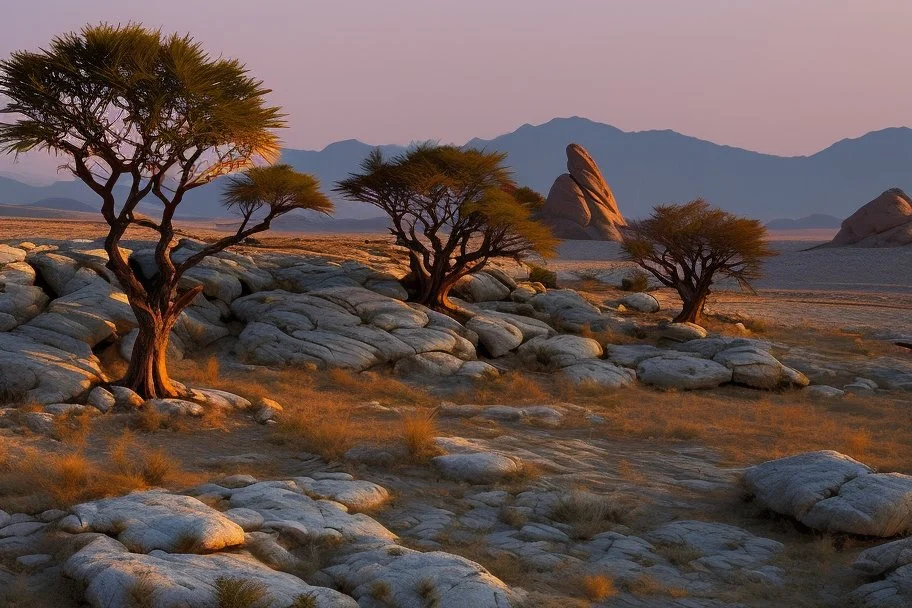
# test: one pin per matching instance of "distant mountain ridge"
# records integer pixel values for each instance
(642, 168)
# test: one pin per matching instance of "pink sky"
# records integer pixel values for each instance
(777, 76)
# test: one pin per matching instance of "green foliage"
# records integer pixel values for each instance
(453, 209)
(539, 274)
(278, 188)
(685, 246)
(137, 99)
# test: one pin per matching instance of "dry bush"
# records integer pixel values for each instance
(588, 514)
(597, 587)
(419, 430)
(678, 555)
(304, 601)
(240, 593)
(370, 386)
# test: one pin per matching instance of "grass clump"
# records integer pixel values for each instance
(586, 513)
(240, 593)
(419, 430)
(597, 587)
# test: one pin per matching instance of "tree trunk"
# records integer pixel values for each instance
(693, 302)
(148, 370)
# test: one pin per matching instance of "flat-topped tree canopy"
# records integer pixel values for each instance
(453, 209)
(140, 114)
(685, 246)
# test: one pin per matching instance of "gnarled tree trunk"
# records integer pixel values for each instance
(693, 300)
(147, 373)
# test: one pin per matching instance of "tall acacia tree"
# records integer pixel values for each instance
(138, 114)
(687, 246)
(453, 210)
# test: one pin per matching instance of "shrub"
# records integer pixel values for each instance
(418, 432)
(542, 275)
(588, 514)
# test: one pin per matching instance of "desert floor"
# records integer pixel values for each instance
(656, 457)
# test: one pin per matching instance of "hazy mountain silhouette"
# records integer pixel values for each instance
(643, 168)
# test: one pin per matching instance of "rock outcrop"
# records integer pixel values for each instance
(884, 222)
(580, 205)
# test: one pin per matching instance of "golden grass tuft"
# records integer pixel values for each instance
(240, 593)
(419, 431)
(597, 587)
(588, 514)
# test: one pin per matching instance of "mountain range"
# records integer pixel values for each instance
(643, 168)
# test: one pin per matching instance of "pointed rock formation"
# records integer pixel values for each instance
(580, 204)
(884, 222)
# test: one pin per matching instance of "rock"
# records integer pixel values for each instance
(434, 364)
(641, 302)
(44, 374)
(681, 371)
(757, 368)
(355, 494)
(62, 409)
(482, 287)
(602, 373)
(630, 355)
(580, 205)
(145, 521)
(822, 391)
(831, 492)
(267, 410)
(884, 222)
(248, 519)
(559, 351)
(126, 399)
(11, 254)
(523, 293)
(477, 467)
(880, 559)
(34, 561)
(101, 399)
(286, 509)
(682, 332)
(477, 370)
(175, 407)
(497, 336)
(418, 579)
(109, 574)
(535, 531)
(567, 309)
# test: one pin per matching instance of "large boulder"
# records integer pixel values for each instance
(483, 287)
(680, 371)
(36, 372)
(884, 222)
(580, 205)
(831, 492)
(497, 336)
(145, 521)
(559, 351)
(111, 575)
(600, 372)
(757, 368)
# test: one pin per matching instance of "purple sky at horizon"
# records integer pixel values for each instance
(776, 76)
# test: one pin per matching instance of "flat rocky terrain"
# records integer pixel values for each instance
(565, 446)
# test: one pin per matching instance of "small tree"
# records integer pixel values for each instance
(686, 246)
(453, 210)
(139, 115)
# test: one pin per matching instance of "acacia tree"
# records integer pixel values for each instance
(453, 210)
(687, 246)
(141, 115)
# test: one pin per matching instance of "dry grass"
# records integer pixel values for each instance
(37, 480)
(589, 514)
(73, 428)
(419, 430)
(240, 593)
(597, 587)
(329, 432)
(649, 586)
(511, 388)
